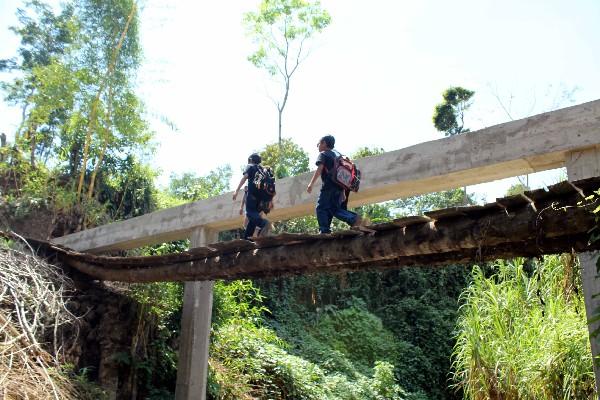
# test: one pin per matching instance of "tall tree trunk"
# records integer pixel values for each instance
(2, 146)
(107, 136)
(280, 111)
(31, 136)
(73, 159)
(23, 117)
(88, 140)
(90, 192)
(32, 152)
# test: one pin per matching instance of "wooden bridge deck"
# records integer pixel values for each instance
(535, 223)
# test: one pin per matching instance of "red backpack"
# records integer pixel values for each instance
(344, 173)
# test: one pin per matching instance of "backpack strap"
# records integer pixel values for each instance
(336, 154)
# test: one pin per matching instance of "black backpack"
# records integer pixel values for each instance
(264, 187)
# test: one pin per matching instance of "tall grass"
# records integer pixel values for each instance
(522, 334)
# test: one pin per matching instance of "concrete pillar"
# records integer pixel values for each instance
(192, 369)
(581, 165)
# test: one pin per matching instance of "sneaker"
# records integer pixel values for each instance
(266, 231)
(361, 225)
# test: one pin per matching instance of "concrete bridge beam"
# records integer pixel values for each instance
(581, 165)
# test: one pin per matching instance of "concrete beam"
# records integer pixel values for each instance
(525, 146)
(192, 368)
(581, 165)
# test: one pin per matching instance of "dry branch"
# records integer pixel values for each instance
(32, 306)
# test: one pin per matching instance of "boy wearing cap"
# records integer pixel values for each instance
(252, 213)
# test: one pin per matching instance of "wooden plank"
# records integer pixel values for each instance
(449, 240)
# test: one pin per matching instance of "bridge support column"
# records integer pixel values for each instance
(192, 369)
(580, 165)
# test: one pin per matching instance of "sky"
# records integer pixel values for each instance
(373, 77)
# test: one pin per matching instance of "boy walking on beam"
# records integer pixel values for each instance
(255, 199)
(332, 196)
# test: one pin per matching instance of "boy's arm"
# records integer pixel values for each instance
(242, 181)
(243, 201)
(314, 178)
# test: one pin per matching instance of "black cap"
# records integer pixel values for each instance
(255, 158)
(329, 141)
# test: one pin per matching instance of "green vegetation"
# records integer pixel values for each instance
(287, 158)
(345, 322)
(78, 148)
(514, 329)
(522, 333)
(249, 360)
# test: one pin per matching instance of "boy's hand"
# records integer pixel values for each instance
(235, 196)
(241, 211)
(309, 188)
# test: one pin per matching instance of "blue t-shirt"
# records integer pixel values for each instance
(327, 158)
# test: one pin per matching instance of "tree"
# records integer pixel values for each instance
(449, 115)
(127, 189)
(517, 188)
(417, 205)
(189, 186)
(74, 81)
(280, 30)
(112, 55)
(44, 86)
(286, 158)
(367, 152)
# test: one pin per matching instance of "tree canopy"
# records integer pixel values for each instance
(287, 158)
(449, 115)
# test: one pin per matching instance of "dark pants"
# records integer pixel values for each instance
(344, 204)
(254, 218)
(329, 205)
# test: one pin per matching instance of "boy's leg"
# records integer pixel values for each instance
(324, 218)
(324, 211)
(348, 217)
(339, 208)
(266, 229)
(351, 218)
(261, 223)
(253, 215)
(249, 232)
(354, 220)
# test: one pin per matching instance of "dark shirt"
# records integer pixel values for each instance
(327, 158)
(250, 172)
